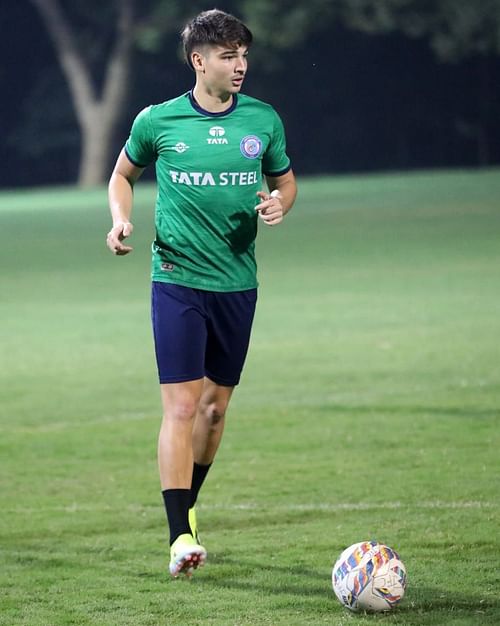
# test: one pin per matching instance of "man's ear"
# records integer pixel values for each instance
(197, 61)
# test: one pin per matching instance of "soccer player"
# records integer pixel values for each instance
(211, 147)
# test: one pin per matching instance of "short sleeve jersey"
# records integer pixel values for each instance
(208, 169)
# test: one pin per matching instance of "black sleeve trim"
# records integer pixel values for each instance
(280, 173)
(132, 160)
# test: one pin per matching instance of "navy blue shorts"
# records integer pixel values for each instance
(201, 333)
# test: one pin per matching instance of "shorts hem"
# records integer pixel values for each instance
(166, 380)
(223, 382)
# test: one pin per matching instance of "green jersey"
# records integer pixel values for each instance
(209, 167)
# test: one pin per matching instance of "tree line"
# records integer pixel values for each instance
(96, 44)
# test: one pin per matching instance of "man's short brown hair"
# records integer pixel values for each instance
(214, 28)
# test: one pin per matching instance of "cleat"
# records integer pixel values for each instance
(193, 524)
(186, 555)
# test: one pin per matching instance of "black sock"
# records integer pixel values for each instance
(177, 505)
(199, 474)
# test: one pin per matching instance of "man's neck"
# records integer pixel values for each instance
(211, 102)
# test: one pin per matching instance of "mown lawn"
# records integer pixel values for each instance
(369, 408)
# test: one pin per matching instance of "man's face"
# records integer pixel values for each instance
(222, 68)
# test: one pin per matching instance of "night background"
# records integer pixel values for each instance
(351, 101)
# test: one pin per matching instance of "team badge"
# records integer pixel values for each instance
(251, 146)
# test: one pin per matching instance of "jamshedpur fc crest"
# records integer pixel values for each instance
(251, 146)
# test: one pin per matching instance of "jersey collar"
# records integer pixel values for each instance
(199, 109)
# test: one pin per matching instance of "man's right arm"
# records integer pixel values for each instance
(121, 195)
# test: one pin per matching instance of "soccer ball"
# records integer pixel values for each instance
(369, 576)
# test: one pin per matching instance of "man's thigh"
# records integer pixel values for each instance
(180, 333)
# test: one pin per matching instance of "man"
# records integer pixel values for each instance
(211, 148)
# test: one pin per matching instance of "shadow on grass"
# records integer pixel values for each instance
(305, 587)
(307, 583)
(479, 609)
(247, 575)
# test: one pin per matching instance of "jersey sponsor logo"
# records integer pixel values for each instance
(251, 146)
(207, 179)
(217, 136)
(217, 131)
(167, 267)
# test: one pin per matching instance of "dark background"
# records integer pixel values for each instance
(350, 102)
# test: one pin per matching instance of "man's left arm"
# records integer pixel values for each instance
(276, 204)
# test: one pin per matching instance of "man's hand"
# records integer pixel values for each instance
(270, 209)
(116, 235)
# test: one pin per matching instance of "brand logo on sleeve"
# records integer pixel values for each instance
(217, 136)
(251, 146)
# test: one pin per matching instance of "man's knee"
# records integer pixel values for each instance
(181, 411)
(214, 411)
(180, 400)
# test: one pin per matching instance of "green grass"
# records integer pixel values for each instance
(369, 408)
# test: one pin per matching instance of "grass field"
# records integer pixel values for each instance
(369, 408)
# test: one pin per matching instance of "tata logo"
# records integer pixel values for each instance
(217, 136)
(217, 131)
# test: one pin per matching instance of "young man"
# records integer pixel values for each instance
(211, 147)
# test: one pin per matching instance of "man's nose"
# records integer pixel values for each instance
(241, 64)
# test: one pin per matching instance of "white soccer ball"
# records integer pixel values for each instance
(369, 576)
